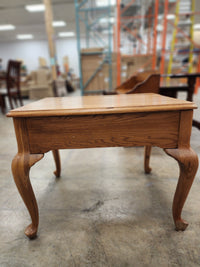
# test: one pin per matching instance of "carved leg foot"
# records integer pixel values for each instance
(147, 153)
(56, 156)
(21, 165)
(188, 164)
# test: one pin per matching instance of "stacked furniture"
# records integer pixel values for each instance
(41, 84)
(12, 86)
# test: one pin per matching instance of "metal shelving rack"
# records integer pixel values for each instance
(88, 16)
(184, 17)
(135, 25)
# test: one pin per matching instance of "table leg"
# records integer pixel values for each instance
(21, 165)
(191, 86)
(147, 153)
(188, 163)
(56, 156)
(2, 104)
(196, 123)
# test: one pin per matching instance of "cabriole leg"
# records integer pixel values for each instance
(188, 164)
(21, 165)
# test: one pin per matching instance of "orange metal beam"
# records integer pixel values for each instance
(162, 65)
(149, 41)
(155, 34)
(137, 17)
(198, 79)
(131, 32)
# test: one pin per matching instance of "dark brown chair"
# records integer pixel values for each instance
(144, 82)
(12, 82)
(149, 85)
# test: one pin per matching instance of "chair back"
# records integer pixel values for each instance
(134, 80)
(13, 75)
(150, 85)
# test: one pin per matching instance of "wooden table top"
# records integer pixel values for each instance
(100, 104)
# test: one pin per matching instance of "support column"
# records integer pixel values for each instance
(50, 35)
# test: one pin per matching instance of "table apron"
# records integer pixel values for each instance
(125, 129)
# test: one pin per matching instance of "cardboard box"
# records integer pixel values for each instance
(90, 63)
(92, 50)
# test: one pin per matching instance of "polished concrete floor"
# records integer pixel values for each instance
(103, 211)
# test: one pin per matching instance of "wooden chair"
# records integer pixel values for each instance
(145, 82)
(12, 81)
(148, 85)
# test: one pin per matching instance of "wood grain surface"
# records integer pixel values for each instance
(100, 104)
(138, 129)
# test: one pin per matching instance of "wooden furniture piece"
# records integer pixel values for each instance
(103, 121)
(141, 83)
(2, 104)
(171, 89)
(40, 84)
(12, 81)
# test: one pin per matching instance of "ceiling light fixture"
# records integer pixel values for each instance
(66, 34)
(35, 8)
(24, 36)
(59, 23)
(6, 27)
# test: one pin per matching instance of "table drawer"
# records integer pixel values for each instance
(132, 129)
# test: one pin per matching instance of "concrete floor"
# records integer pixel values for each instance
(103, 211)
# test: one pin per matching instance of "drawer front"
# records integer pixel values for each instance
(132, 129)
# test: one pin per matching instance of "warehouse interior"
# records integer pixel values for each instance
(105, 209)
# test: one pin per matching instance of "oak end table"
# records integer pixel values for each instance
(103, 121)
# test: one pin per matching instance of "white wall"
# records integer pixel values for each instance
(68, 47)
(29, 51)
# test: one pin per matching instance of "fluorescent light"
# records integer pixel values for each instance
(105, 2)
(66, 34)
(196, 27)
(35, 8)
(6, 27)
(24, 36)
(59, 23)
(170, 16)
